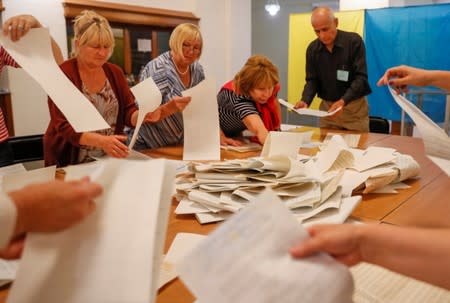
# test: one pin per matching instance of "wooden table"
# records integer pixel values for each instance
(424, 204)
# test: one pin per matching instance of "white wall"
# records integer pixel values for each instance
(361, 4)
(225, 25)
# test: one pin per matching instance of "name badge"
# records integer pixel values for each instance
(342, 75)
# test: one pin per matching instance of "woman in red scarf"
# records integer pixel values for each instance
(249, 101)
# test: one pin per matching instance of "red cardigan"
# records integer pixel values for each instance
(61, 142)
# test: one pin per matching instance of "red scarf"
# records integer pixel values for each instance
(267, 111)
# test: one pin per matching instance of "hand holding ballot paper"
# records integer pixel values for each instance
(308, 111)
(436, 141)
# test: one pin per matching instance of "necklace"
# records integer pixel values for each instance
(181, 73)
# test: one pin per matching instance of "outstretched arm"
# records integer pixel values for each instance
(402, 76)
(417, 252)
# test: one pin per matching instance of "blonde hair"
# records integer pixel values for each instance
(92, 29)
(183, 32)
(258, 70)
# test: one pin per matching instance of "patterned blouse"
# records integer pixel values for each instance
(170, 130)
(106, 103)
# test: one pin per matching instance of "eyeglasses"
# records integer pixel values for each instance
(190, 47)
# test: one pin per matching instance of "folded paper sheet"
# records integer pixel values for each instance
(120, 244)
(34, 54)
(148, 97)
(282, 143)
(201, 123)
(181, 245)
(308, 111)
(436, 141)
(246, 260)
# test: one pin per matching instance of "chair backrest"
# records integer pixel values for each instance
(27, 148)
(378, 125)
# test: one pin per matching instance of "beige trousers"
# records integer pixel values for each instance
(354, 117)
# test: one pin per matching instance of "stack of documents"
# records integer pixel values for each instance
(316, 189)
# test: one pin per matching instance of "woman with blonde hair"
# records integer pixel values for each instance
(104, 85)
(173, 72)
(249, 101)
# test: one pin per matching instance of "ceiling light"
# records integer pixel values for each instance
(272, 7)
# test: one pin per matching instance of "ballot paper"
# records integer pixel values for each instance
(375, 284)
(244, 148)
(148, 97)
(201, 123)
(34, 54)
(120, 244)
(436, 141)
(308, 111)
(8, 271)
(16, 181)
(247, 260)
(282, 143)
(181, 245)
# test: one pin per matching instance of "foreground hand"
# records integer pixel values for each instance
(18, 26)
(14, 249)
(53, 206)
(401, 76)
(300, 104)
(340, 103)
(340, 241)
(113, 146)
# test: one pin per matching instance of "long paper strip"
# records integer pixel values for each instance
(148, 97)
(34, 54)
(201, 123)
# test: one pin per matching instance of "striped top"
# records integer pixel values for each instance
(5, 59)
(233, 108)
(170, 130)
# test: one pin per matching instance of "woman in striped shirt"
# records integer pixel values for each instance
(250, 102)
(173, 72)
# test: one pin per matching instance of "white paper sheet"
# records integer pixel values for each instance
(120, 244)
(8, 271)
(282, 144)
(201, 123)
(436, 141)
(148, 97)
(34, 54)
(308, 111)
(246, 260)
(181, 245)
(18, 180)
(375, 284)
(333, 215)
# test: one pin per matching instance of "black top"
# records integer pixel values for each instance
(339, 74)
(233, 108)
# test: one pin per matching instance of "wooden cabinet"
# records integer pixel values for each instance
(141, 33)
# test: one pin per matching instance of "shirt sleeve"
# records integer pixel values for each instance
(360, 84)
(310, 89)
(8, 214)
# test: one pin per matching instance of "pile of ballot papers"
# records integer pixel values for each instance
(315, 189)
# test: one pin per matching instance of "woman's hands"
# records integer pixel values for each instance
(113, 146)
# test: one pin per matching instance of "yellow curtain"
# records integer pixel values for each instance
(300, 35)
